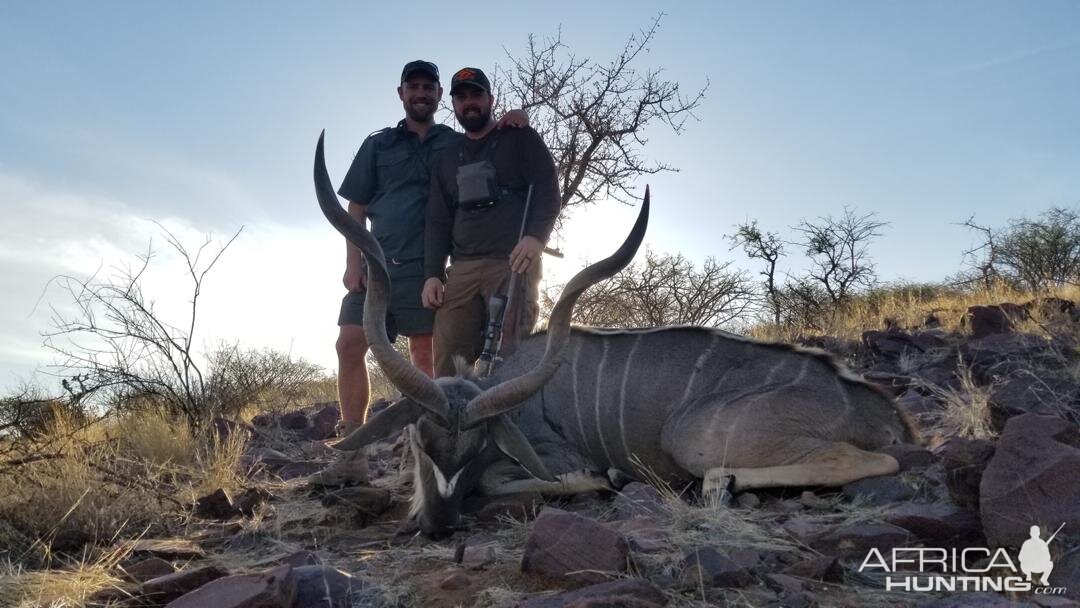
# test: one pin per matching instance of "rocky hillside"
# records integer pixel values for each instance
(998, 402)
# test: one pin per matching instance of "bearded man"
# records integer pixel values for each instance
(475, 213)
(387, 183)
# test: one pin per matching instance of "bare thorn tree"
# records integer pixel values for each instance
(116, 347)
(768, 247)
(593, 115)
(665, 289)
(981, 260)
(837, 250)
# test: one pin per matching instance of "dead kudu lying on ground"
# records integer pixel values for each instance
(573, 408)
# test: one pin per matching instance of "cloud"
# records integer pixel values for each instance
(276, 286)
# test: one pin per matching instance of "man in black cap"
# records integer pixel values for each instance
(388, 184)
(476, 208)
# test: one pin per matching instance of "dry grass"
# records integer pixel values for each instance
(60, 587)
(118, 477)
(908, 306)
(967, 408)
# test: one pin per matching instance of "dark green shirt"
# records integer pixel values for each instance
(390, 175)
(520, 158)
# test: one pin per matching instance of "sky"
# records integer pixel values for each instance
(121, 119)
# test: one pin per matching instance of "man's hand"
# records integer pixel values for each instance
(431, 296)
(355, 275)
(526, 254)
(516, 119)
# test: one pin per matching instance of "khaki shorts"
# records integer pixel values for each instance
(462, 319)
(405, 314)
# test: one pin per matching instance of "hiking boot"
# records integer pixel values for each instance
(344, 428)
(350, 469)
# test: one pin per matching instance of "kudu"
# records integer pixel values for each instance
(675, 403)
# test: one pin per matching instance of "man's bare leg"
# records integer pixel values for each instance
(353, 388)
(353, 394)
(420, 351)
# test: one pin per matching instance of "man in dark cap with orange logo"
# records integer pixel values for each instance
(475, 214)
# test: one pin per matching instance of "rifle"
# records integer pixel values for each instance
(498, 305)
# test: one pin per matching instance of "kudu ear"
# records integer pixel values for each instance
(514, 444)
(381, 425)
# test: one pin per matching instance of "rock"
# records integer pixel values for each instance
(226, 430)
(836, 346)
(857, 539)
(264, 420)
(164, 589)
(1067, 573)
(324, 423)
(992, 352)
(747, 500)
(266, 457)
(825, 568)
(811, 501)
(475, 557)
(71, 540)
(455, 582)
(880, 490)
(643, 534)
(1051, 307)
(1031, 479)
(970, 600)
(1031, 394)
(713, 568)
(963, 461)
(367, 501)
(168, 548)
(294, 421)
(216, 505)
(300, 468)
(783, 584)
(789, 506)
(636, 499)
(938, 524)
(909, 455)
(801, 599)
(149, 568)
(987, 320)
(622, 593)
(325, 587)
(250, 500)
(520, 507)
(929, 340)
(561, 543)
(274, 588)
(890, 344)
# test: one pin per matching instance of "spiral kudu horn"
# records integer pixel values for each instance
(505, 396)
(412, 382)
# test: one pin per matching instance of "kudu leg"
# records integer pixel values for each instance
(833, 464)
(574, 482)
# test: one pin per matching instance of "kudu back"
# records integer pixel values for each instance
(571, 407)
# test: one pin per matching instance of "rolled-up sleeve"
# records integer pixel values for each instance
(359, 185)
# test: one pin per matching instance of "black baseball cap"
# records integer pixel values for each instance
(473, 76)
(419, 66)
